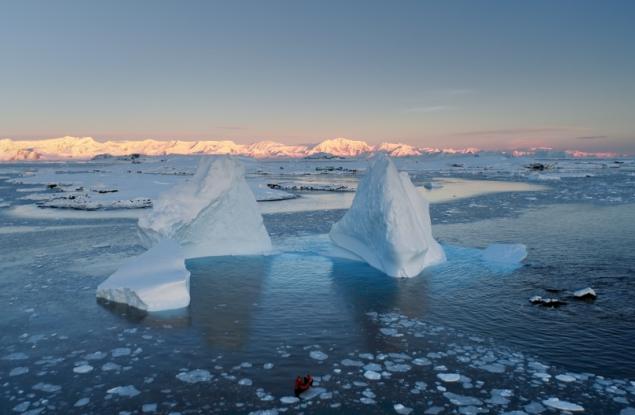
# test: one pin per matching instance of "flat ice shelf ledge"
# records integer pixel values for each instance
(156, 280)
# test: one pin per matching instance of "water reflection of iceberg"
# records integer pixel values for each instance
(224, 294)
(171, 318)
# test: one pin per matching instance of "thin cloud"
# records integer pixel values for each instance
(516, 131)
(231, 127)
(432, 108)
(592, 137)
(459, 91)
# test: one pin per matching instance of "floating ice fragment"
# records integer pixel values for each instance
(289, 400)
(563, 405)
(461, 400)
(388, 224)
(565, 378)
(245, 382)
(82, 402)
(149, 407)
(372, 375)
(545, 377)
(22, 406)
(373, 367)
(121, 351)
(311, 393)
(493, 368)
(367, 401)
(402, 410)
(349, 362)
(390, 332)
(82, 369)
(124, 391)
(213, 214)
(318, 355)
(194, 376)
(421, 361)
(449, 377)
(47, 387)
(585, 293)
(156, 280)
(268, 366)
(95, 356)
(19, 371)
(110, 366)
(397, 367)
(15, 356)
(534, 408)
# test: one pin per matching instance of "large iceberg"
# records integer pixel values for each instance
(388, 224)
(215, 213)
(157, 280)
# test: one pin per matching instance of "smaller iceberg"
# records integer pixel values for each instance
(156, 280)
(388, 224)
(213, 214)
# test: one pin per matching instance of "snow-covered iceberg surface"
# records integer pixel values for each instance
(388, 224)
(157, 280)
(215, 213)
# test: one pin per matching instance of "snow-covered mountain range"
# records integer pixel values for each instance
(85, 148)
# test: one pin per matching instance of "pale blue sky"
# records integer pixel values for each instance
(492, 74)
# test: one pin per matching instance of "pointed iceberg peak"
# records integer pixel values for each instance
(215, 213)
(388, 224)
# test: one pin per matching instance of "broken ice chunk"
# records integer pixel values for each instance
(156, 280)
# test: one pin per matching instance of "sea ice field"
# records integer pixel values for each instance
(461, 337)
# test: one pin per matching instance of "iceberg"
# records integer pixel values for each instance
(388, 224)
(213, 214)
(156, 280)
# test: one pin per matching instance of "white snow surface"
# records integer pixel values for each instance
(156, 280)
(215, 213)
(389, 224)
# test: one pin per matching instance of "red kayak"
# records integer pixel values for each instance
(303, 384)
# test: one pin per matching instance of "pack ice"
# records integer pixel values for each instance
(215, 213)
(388, 224)
(156, 280)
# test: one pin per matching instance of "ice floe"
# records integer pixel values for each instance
(156, 280)
(128, 391)
(195, 376)
(585, 293)
(562, 405)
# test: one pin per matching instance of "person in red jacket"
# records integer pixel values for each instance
(302, 385)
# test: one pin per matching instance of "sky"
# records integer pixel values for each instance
(489, 74)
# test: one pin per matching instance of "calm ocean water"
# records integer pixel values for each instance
(247, 312)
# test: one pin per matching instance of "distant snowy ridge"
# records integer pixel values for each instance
(86, 148)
